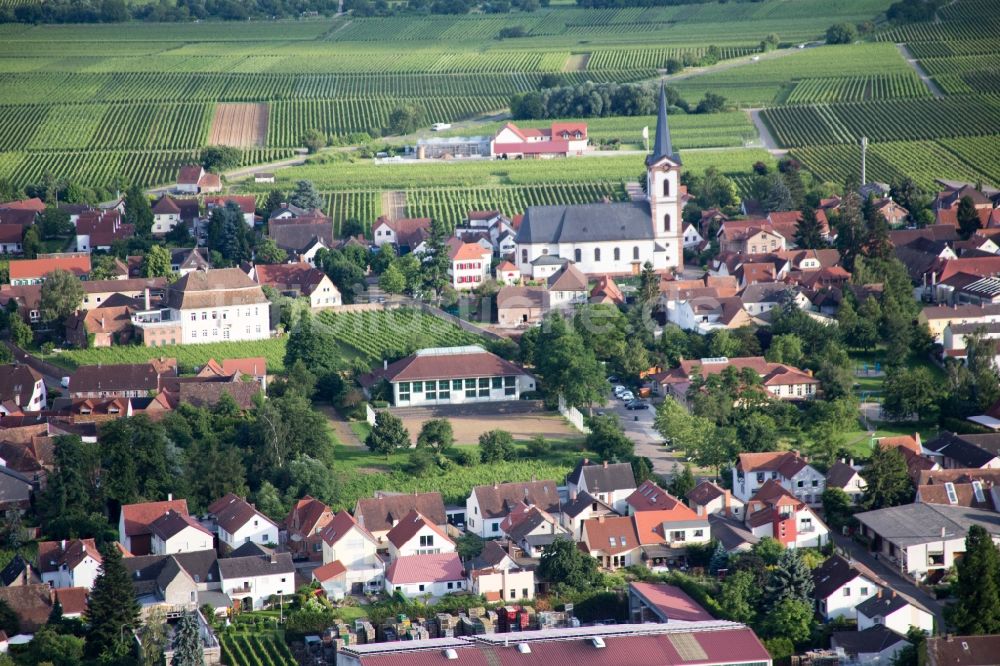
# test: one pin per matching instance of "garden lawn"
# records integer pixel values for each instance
(188, 356)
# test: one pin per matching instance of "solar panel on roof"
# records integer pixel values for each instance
(688, 647)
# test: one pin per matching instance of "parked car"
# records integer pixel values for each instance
(64, 382)
(619, 390)
(626, 397)
(440, 127)
(637, 404)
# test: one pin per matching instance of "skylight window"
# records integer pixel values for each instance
(977, 488)
(949, 488)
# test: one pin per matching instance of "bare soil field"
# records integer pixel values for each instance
(471, 421)
(240, 125)
(577, 62)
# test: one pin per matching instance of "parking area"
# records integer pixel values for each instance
(523, 419)
(638, 425)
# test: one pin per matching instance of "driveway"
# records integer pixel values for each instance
(891, 576)
(638, 425)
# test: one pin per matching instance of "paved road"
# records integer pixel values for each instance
(912, 62)
(892, 576)
(638, 425)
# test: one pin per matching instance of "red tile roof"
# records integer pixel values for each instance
(611, 535)
(189, 174)
(341, 524)
(72, 599)
(671, 601)
(439, 567)
(52, 555)
(247, 203)
(328, 571)
(533, 147)
(301, 276)
(408, 527)
(255, 366)
(138, 517)
(650, 497)
(307, 514)
(26, 269)
(34, 204)
(786, 463)
(470, 252)
(420, 367)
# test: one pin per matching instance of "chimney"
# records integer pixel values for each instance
(600, 519)
(274, 557)
(170, 497)
(145, 297)
(586, 461)
(949, 638)
(496, 486)
(726, 498)
(385, 364)
(851, 463)
(62, 545)
(102, 322)
(605, 464)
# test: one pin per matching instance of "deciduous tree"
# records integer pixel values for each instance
(496, 446)
(436, 434)
(387, 435)
(156, 263)
(61, 295)
(562, 562)
(607, 438)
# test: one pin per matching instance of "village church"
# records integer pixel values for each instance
(613, 238)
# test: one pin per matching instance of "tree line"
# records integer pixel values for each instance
(598, 100)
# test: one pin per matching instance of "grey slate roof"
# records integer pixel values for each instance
(662, 146)
(968, 450)
(248, 567)
(732, 534)
(604, 479)
(912, 524)
(596, 222)
(839, 475)
(834, 574)
(147, 570)
(872, 640)
(885, 605)
(575, 507)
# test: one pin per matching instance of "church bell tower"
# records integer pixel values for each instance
(663, 181)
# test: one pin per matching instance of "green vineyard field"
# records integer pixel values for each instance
(857, 89)
(247, 649)
(883, 121)
(188, 356)
(380, 334)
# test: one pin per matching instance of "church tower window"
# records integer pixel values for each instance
(666, 187)
(666, 222)
(524, 256)
(635, 253)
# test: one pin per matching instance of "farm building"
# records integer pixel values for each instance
(452, 375)
(559, 140)
(453, 146)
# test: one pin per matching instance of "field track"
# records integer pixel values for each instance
(240, 125)
(577, 62)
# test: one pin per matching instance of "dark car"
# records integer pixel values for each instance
(637, 404)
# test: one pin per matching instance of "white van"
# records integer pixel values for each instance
(440, 127)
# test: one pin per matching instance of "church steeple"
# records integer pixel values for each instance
(662, 146)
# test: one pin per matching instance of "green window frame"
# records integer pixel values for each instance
(456, 385)
(418, 387)
(470, 383)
